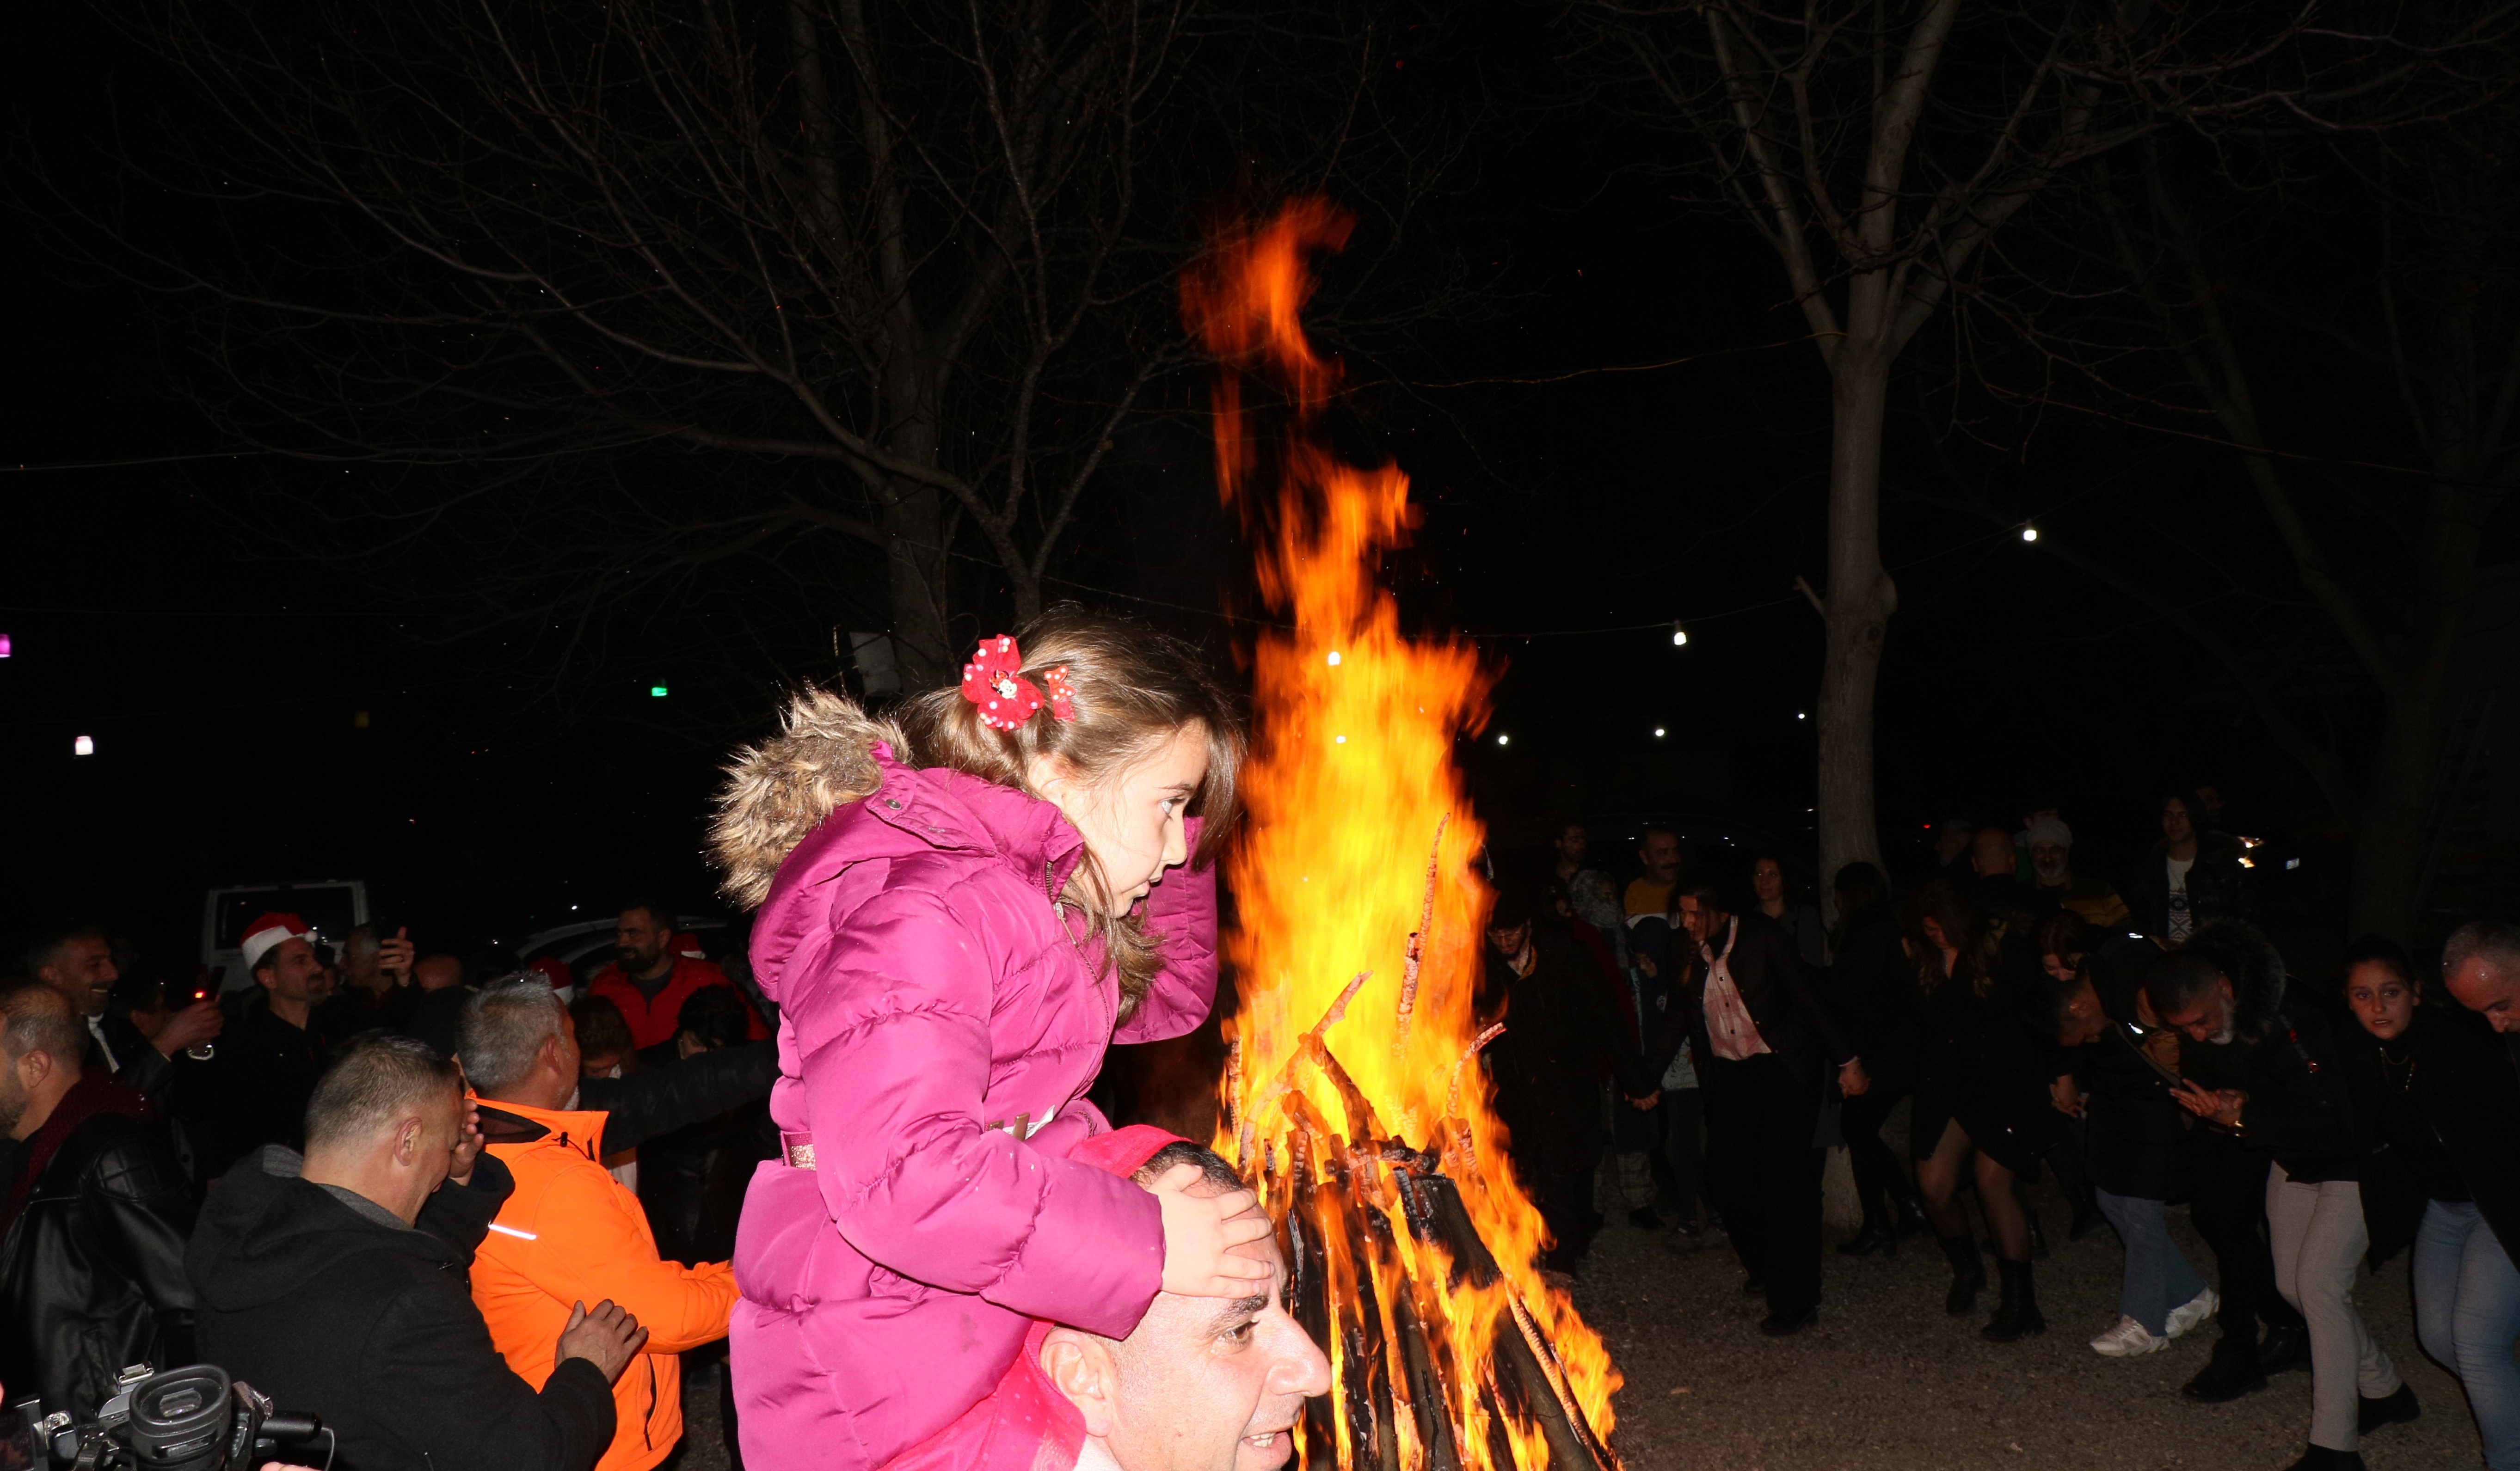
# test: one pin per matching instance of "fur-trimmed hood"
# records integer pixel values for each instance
(2255, 966)
(778, 792)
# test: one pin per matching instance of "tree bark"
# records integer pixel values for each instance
(2406, 770)
(1854, 612)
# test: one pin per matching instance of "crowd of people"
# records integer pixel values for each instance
(254, 1180)
(487, 1222)
(1708, 1041)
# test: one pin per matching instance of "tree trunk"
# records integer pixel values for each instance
(916, 567)
(1856, 612)
(2407, 768)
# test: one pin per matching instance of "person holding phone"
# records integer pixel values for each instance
(2263, 1069)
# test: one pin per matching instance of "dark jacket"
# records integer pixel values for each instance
(137, 1064)
(660, 1101)
(2407, 1167)
(252, 1092)
(2467, 1081)
(92, 1267)
(2283, 1054)
(699, 1137)
(2217, 887)
(1559, 1035)
(346, 1313)
(1872, 992)
(1779, 994)
(2133, 1128)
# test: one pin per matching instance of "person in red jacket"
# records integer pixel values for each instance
(655, 974)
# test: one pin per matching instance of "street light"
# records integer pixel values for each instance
(84, 745)
(1678, 635)
(2030, 533)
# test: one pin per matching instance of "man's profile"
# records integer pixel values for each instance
(1200, 1384)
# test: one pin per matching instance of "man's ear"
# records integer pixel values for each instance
(407, 1141)
(1080, 1368)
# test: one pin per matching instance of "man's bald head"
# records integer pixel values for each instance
(1201, 1383)
(2480, 963)
(42, 1044)
(1991, 852)
(437, 972)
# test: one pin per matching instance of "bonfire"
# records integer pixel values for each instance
(1353, 1091)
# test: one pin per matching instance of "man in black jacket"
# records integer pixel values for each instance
(254, 1092)
(1765, 1085)
(2244, 1030)
(338, 1283)
(76, 959)
(1871, 992)
(93, 1222)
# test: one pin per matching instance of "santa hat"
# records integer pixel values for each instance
(553, 969)
(264, 935)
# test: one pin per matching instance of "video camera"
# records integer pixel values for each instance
(189, 1420)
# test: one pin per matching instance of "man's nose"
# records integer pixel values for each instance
(1305, 1371)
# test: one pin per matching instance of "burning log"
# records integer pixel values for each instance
(1418, 944)
(1411, 1246)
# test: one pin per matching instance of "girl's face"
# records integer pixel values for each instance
(1131, 821)
(2382, 1003)
(2061, 969)
(1769, 880)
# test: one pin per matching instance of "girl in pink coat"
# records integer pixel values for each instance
(960, 909)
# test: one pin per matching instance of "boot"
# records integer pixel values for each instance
(1871, 1239)
(2018, 1317)
(2231, 1372)
(2388, 1410)
(1906, 1214)
(1968, 1274)
(2320, 1458)
(2285, 1349)
(2087, 1215)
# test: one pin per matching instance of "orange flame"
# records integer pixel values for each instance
(1358, 948)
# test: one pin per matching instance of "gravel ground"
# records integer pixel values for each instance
(1888, 1380)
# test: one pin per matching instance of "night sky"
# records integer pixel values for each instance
(258, 716)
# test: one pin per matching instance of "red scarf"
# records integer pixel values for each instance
(93, 1095)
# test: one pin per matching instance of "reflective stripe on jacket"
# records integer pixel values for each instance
(570, 1234)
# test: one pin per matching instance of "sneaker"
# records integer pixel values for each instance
(2128, 1340)
(2195, 1311)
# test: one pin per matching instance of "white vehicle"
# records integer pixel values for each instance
(586, 946)
(332, 906)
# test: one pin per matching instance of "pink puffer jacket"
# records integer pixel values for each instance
(934, 1008)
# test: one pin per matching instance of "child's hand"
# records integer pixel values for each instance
(1208, 1238)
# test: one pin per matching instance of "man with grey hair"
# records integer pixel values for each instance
(337, 1283)
(572, 1231)
(2052, 877)
(2481, 965)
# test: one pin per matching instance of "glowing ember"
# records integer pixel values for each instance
(1352, 1092)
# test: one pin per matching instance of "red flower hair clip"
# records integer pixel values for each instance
(994, 680)
(1062, 694)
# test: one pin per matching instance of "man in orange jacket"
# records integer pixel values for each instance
(570, 1231)
(655, 971)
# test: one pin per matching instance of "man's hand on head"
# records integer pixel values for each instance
(1202, 1234)
(468, 1150)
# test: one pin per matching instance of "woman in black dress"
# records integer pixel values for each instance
(1983, 1106)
